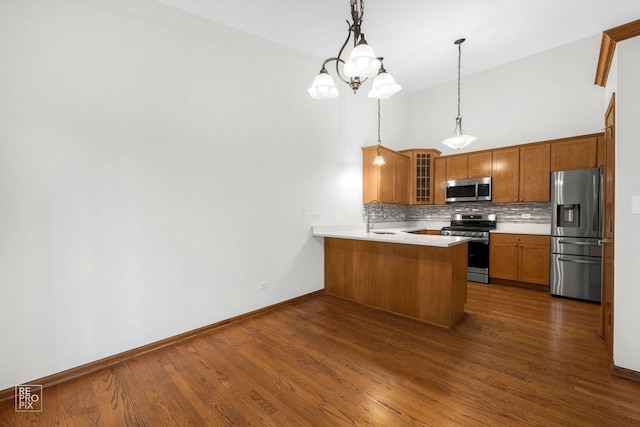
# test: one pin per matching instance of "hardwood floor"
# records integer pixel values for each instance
(518, 357)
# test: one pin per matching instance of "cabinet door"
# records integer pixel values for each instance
(388, 183)
(533, 262)
(370, 175)
(439, 178)
(401, 179)
(457, 167)
(535, 173)
(506, 174)
(503, 256)
(479, 164)
(581, 153)
(421, 165)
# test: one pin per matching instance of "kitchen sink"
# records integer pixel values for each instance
(383, 232)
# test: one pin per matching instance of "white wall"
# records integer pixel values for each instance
(626, 339)
(545, 96)
(153, 171)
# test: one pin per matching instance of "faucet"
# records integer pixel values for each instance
(369, 208)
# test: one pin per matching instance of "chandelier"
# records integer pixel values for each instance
(361, 65)
(459, 139)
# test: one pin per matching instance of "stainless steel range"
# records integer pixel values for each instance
(476, 226)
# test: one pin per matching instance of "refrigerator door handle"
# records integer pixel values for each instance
(566, 242)
(594, 201)
(579, 261)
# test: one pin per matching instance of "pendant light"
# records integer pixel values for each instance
(361, 65)
(379, 160)
(459, 139)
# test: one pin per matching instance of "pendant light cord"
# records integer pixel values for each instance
(379, 142)
(459, 57)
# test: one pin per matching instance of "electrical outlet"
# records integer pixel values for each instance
(526, 216)
(264, 285)
(305, 211)
(316, 215)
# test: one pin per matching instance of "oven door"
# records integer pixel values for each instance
(478, 261)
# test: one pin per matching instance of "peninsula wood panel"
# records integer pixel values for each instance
(423, 282)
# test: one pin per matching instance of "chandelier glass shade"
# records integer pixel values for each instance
(459, 139)
(384, 86)
(323, 86)
(361, 64)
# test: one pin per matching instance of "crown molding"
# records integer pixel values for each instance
(608, 47)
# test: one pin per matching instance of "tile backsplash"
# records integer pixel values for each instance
(505, 212)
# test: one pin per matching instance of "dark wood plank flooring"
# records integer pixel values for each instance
(519, 357)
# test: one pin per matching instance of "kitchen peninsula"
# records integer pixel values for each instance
(419, 276)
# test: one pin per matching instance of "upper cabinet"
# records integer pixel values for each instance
(535, 184)
(388, 182)
(521, 174)
(421, 169)
(439, 178)
(581, 152)
(472, 165)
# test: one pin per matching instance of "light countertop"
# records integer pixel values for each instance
(400, 235)
(523, 228)
(400, 232)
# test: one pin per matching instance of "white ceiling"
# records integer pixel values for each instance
(416, 36)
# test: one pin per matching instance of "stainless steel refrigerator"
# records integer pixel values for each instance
(576, 233)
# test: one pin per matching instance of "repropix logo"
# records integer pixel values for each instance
(29, 398)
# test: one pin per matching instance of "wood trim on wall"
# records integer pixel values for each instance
(116, 359)
(608, 47)
(624, 372)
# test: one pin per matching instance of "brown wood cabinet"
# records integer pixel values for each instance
(427, 283)
(520, 258)
(535, 175)
(421, 168)
(472, 165)
(521, 174)
(387, 183)
(439, 178)
(580, 152)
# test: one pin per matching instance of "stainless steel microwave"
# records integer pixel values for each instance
(468, 190)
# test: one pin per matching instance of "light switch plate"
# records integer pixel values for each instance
(635, 205)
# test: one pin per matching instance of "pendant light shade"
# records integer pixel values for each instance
(384, 86)
(362, 61)
(323, 86)
(459, 139)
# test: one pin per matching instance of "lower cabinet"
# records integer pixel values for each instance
(520, 258)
